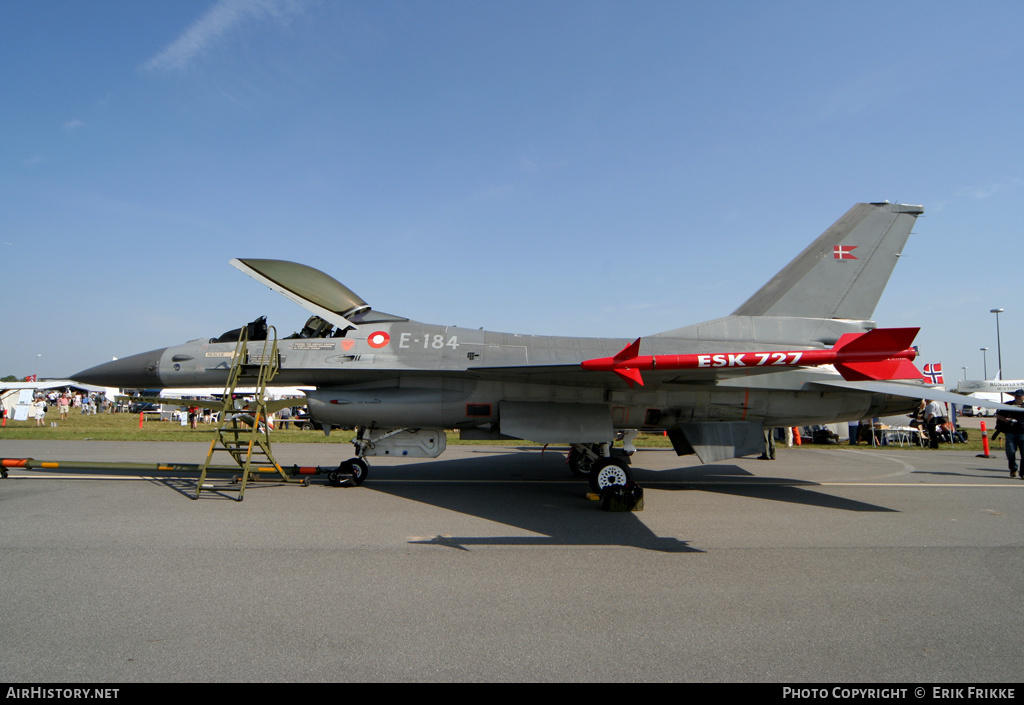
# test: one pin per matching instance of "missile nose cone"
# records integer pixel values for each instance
(140, 371)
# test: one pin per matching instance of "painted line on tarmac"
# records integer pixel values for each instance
(922, 484)
(377, 481)
(905, 467)
(652, 483)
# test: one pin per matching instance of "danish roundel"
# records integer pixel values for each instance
(378, 339)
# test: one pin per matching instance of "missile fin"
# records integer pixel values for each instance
(877, 340)
(630, 374)
(880, 370)
(629, 352)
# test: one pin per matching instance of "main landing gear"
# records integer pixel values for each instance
(602, 465)
(607, 471)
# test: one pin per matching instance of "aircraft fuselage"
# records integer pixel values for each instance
(410, 374)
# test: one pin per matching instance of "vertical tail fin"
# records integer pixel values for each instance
(843, 272)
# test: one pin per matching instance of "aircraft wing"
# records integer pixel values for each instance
(915, 391)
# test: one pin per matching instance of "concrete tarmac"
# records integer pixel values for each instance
(828, 565)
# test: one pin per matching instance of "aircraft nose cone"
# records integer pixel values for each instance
(140, 371)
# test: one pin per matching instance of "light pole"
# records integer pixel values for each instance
(999, 347)
(965, 373)
(984, 358)
(999, 344)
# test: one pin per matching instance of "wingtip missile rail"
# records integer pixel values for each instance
(880, 354)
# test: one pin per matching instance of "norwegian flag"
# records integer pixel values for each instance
(933, 373)
(843, 251)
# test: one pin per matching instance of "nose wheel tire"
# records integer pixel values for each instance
(358, 468)
(608, 472)
(349, 472)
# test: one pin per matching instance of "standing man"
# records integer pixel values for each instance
(934, 416)
(1012, 425)
(769, 445)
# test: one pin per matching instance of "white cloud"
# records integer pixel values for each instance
(73, 125)
(994, 189)
(221, 19)
(853, 96)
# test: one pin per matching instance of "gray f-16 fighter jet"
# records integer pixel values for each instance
(802, 350)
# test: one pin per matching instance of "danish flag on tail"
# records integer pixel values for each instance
(933, 374)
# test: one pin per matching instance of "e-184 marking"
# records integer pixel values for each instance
(405, 340)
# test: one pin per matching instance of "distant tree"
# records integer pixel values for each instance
(10, 378)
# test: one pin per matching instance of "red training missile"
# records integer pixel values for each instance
(883, 353)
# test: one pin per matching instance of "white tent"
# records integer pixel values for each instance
(11, 393)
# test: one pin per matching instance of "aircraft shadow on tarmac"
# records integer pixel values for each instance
(558, 515)
(535, 492)
(734, 480)
(554, 506)
(969, 472)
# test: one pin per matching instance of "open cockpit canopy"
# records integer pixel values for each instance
(320, 293)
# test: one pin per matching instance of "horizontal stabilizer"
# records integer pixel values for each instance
(914, 391)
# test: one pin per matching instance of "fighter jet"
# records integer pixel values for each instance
(802, 350)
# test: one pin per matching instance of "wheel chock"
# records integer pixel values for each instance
(623, 498)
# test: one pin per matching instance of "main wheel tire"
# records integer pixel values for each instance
(580, 463)
(608, 472)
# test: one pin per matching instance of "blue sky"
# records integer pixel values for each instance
(580, 168)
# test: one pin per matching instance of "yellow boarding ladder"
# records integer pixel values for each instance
(244, 431)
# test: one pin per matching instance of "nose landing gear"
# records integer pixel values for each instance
(349, 473)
